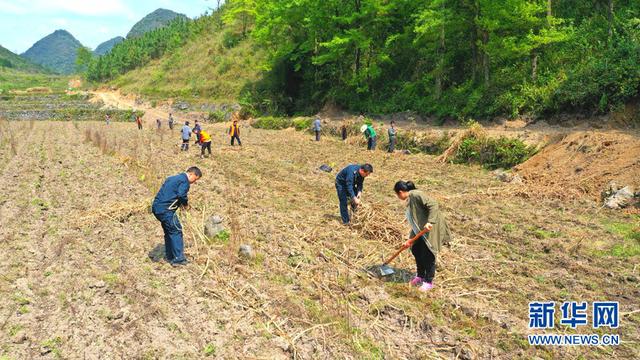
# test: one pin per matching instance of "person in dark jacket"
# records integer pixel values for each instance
(171, 196)
(349, 185)
(196, 132)
(343, 131)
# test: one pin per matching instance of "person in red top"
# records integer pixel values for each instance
(139, 122)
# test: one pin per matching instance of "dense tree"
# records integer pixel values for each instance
(449, 58)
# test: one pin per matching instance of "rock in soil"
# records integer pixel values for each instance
(620, 198)
(246, 251)
(213, 227)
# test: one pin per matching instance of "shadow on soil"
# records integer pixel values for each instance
(398, 276)
(157, 254)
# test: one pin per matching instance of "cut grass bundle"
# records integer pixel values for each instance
(120, 212)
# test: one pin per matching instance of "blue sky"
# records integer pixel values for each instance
(23, 22)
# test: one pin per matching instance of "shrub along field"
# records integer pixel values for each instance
(473, 146)
(77, 279)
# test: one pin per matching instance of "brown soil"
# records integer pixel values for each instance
(76, 280)
(584, 162)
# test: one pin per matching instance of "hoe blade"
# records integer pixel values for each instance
(386, 270)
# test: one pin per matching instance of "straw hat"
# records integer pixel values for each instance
(363, 128)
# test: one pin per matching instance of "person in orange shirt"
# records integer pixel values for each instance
(205, 142)
(234, 132)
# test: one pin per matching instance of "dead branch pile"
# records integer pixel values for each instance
(373, 220)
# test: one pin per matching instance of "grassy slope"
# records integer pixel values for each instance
(11, 79)
(202, 69)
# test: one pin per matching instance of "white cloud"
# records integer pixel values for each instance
(79, 7)
(59, 22)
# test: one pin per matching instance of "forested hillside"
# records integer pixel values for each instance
(14, 61)
(448, 58)
(56, 51)
(106, 46)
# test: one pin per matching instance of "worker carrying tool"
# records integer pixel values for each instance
(171, 196)
(369, 134)
(423, 213)
(349, 185)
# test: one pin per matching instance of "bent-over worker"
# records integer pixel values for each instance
(171, 196)
(349, 185)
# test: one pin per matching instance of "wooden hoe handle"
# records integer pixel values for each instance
(404, 247)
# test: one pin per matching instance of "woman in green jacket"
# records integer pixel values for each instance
(423, 213)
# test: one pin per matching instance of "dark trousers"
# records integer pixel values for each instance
(206, 145)
(317, 135)
(392, 143)
(234, 137)
(139, 126)
(343, 198)
(344, 134)
(173, 242)
(170, 126)
(185, 145)
(371, 143)
(425, 260)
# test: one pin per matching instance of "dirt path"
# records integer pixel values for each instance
(113, 99)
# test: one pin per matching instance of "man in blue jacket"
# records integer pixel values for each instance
(349, 185)
(171, 196)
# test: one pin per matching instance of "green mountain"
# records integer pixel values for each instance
(56, 51)
(154, 20)
(11, 60)
(106, 46)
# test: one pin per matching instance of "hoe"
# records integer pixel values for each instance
(385, 269)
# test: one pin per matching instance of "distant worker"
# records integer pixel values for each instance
(171, 122)
(393, 132)
(370, 135)
(422, 212)
(349, 186)
(317, 126)
(205, 142)
(186, 135)
(107, 119)
(344, 132)
(196, 132)
(234, 132)
(139, 122)
(158, 123)
(171, 196)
